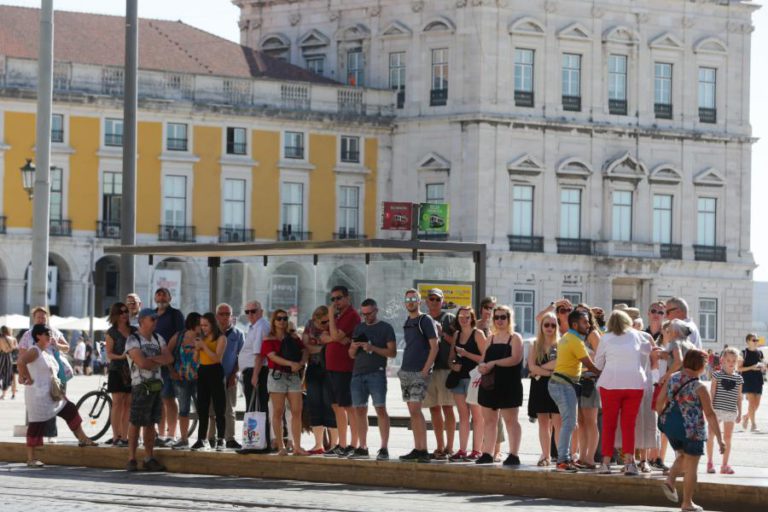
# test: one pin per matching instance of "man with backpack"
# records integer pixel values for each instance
(418, 358)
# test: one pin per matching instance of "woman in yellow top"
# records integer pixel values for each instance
(210, 381)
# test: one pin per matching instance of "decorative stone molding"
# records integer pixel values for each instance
(434, 162)
(313, 39)
(374, 11)
(597, 12)
(461, 4)
(417, 6)
(526, 164)
(711, 45)
(550, 6)
(620, 34)
(244, 24)
(709, 177)
(396, 29)
(575, 31)
(352, 33)
(334, 15)
(625, 168)
(440, 24)
(294, 19)
(665, 174)
(573, 167)
(688, 22)
(527, 26)
(666, 41)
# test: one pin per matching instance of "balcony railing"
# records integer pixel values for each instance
(295, 96)
(709, 253)
(3, 227)
(662, 110)
(236, 148)
(113, 139)
(401, 98)
(57, 136)
(523, 98)
(671, 251)
(348, 234)
(617, 107)
(175, 144)
(107, 229)
(350, 157)
(296, 152)
(708, 115)
(61, 227)
(526, 243)
(350, 101)
(574, 246)
(235, 235)
(168, 233)
(572, 103)
(288, 234)
(438, 97)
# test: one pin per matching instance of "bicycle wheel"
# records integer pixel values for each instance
(192, 431)
(95, 408)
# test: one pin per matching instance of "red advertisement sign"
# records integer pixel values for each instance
(397, 216)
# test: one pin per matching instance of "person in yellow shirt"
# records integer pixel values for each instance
(572, 356)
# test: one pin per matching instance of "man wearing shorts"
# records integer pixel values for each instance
(339, 365)
(372, 343)
(418, 358)
(147, 353)
(170, 321)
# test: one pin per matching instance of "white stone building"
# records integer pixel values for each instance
(601, 148)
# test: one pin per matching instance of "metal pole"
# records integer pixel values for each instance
(213, 279)
(130, 105)
(91, 292)
(41, 202)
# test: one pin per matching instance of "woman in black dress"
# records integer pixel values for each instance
(751, 369)
(504, 360)
(541, 364)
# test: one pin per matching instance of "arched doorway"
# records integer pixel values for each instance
(106, 280)
(352, 278)
(58, 276)
(291, 289)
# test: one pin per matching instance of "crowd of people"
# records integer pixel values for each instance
(465, 368)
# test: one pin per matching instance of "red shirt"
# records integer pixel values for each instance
(272, 345)
(337, 354)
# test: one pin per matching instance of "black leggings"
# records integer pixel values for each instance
(210, 385)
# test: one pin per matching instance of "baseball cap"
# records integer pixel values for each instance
(435, 291)
(147, 312)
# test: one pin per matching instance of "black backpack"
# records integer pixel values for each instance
(290, 349)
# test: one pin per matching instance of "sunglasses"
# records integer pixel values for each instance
(337, 298)
(500, 317)
(465, 317)
(251, 311)
(123, 311)
(657, 312)
(411, 300)
(281, 319)
(549, 326)
(368, 313)
(323, 322)
(130, 303)
(752, 341)
(562, 311)
(435, 299)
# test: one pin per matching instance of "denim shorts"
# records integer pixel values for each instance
(689, 447)
(186, 391)
(283, 382)
(461, 388)
(373, 384)
(413, 385)
(168, 389)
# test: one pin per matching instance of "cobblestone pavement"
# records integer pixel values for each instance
(85, 490)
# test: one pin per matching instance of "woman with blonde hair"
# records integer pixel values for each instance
(319, 397)
(541, 364)
(589, 400)
(501, 391)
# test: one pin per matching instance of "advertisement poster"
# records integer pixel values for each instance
(434, 218)
(397, 216)
(455, 293)
(284, 292)
(171, 279)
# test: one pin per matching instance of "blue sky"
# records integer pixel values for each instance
(220, 17)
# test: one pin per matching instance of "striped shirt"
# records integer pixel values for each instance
(727, 391)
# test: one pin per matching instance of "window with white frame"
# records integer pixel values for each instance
(112, 81)
(237, 141)
(57, 194)
(662, 218)
(292, 209)
(349, 211)
(176, 137)
(397, 71)
(440, 69)
(571, 81)
(522, 210)
(436, 193)
(111, 198)
(707, 87)
(316, 64)
(622, 215)
(350, 149)
(708, 319)
(113, 132)
(356, 67)
(617, 84)
(524, 59)
(294, 145)
(234, 203)
(175, 200)
(570, 213)
(574, 297)
(57, 128)
(524, 315)
(662, 89)
(706, 219)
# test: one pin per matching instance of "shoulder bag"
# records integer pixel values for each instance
(670, 420)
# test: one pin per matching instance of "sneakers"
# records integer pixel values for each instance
(132, 465)
(233, 445)
(359, 453)
(152, 464)
(473, 456)
(201, 445)
(604, 469)
(566, 467)
(161, 442)
(439, 455)
(38, 464)
(710, 468)
(336, 451)
(631, 469)
(459, 456)
(511, 460)
(181, 444)
(485, 458)
(110, 442)
(416, 456)
(121, 443)
(220, 445)
(424, 457)
(658, 465)
(346, 452)
(382, 454)
(644, 467)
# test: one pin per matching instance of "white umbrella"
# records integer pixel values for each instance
(83, 324)
(15, 321)
(57, 321)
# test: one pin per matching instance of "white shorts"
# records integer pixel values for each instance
(726, 416)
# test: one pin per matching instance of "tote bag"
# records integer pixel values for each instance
(254, 427)
(474, 386)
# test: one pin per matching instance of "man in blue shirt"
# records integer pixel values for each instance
(235, 341)
(169, 322)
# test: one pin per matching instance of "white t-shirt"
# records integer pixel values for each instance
(622, 360)
(80, 351)
(150, 348)
(252, 346)
(695, 336)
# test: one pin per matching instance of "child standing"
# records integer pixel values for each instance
(726, 401)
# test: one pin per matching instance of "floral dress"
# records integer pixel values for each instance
(690, 405)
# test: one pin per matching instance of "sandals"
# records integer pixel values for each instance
(726, 470)
(282, 452)
(670, 492)
(695, 508)
(88, 443)
(544, 461)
